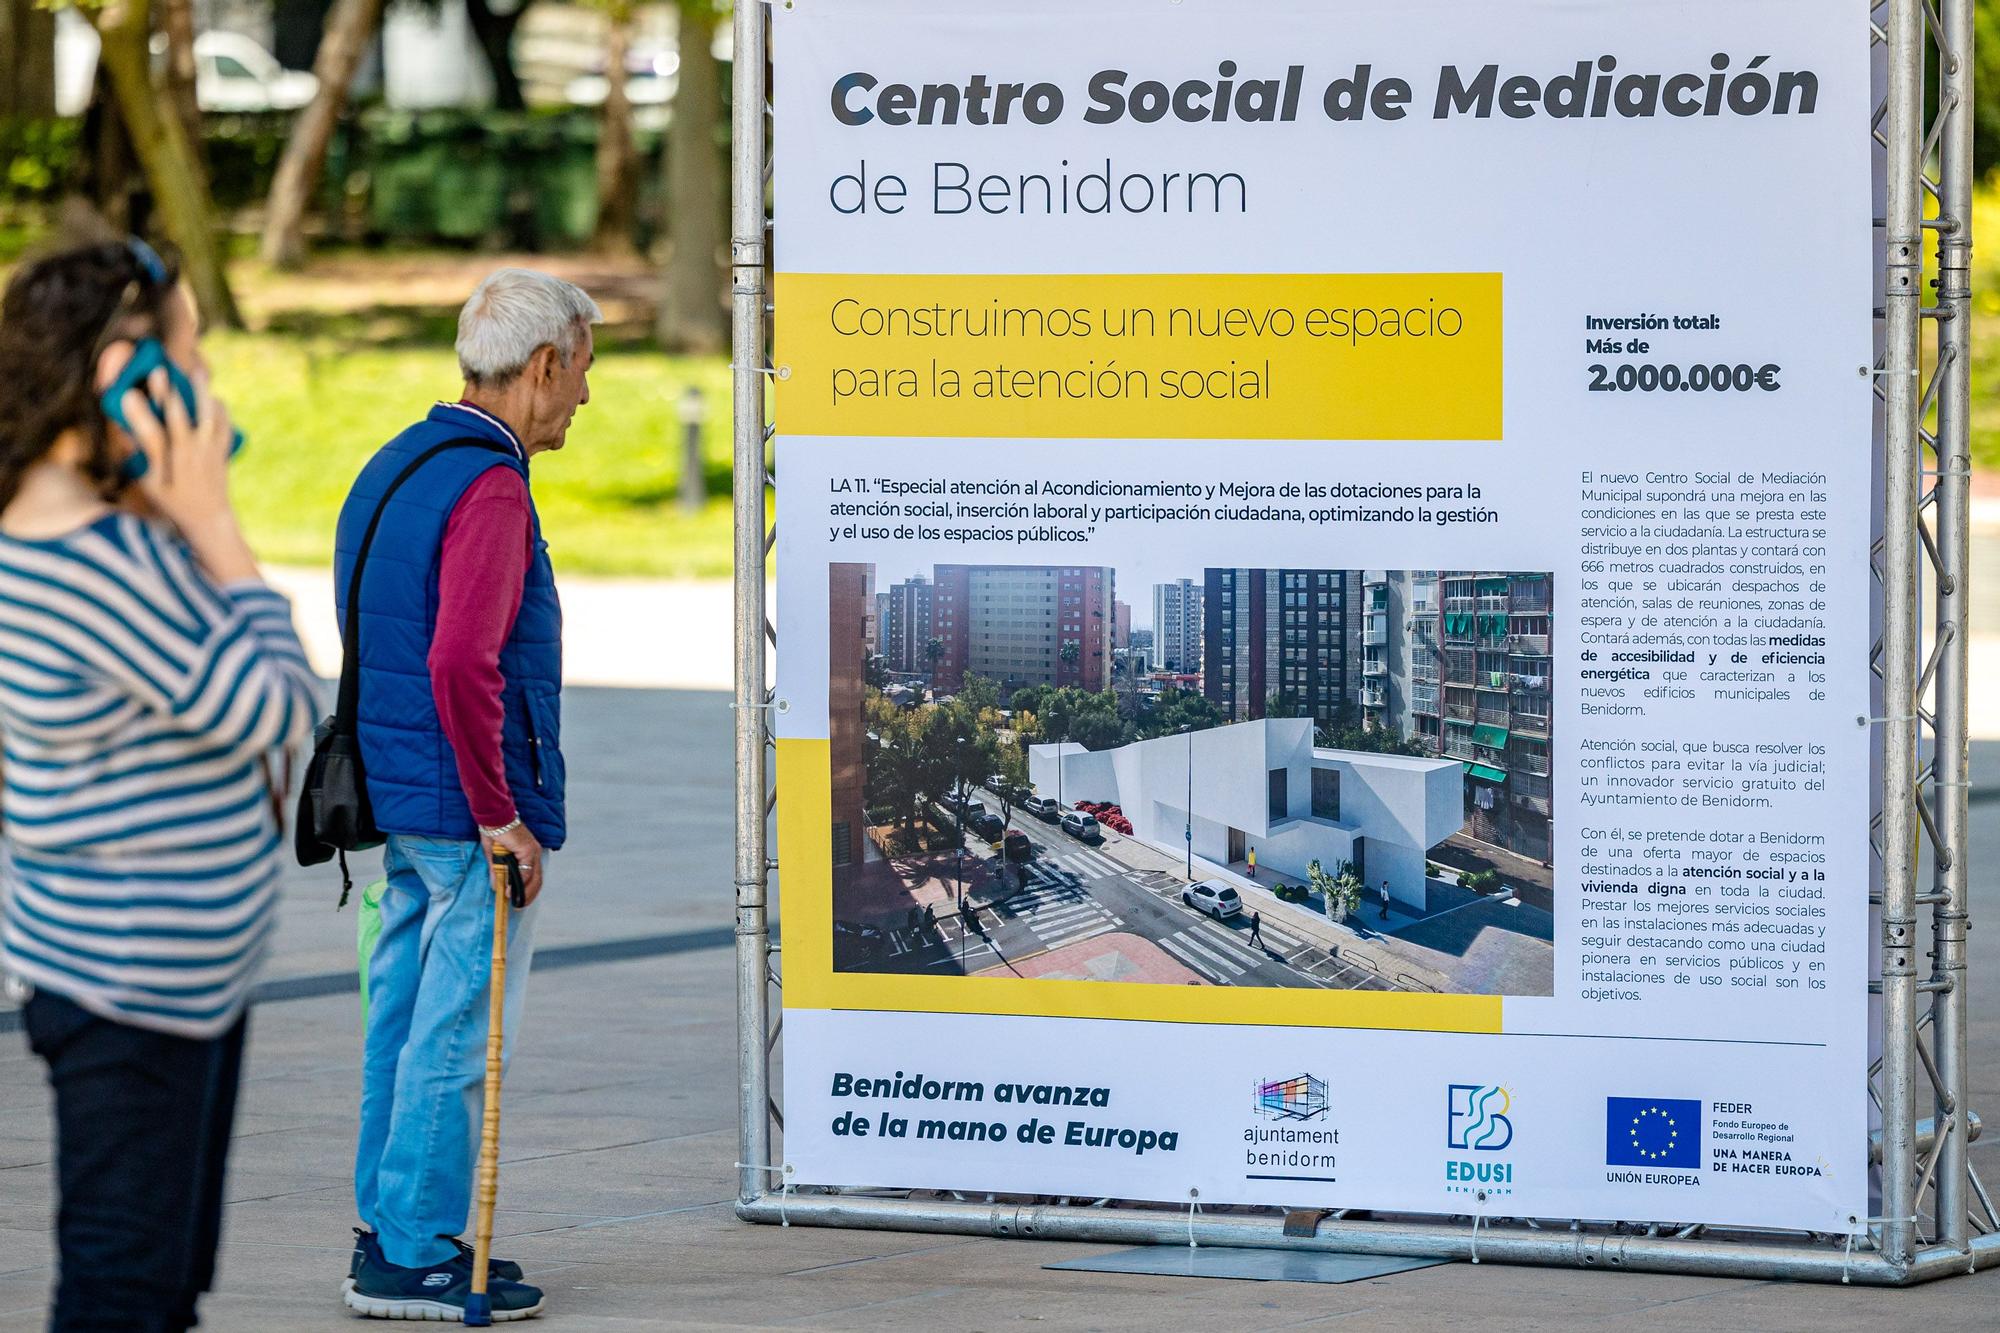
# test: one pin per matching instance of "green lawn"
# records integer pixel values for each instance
(315, 409)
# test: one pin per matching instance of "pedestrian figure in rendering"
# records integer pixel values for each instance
(459, 721)
(152, 684)
(1256, 928)
(1385, 900)
(1253, 863)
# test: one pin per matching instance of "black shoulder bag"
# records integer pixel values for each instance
(334, 816)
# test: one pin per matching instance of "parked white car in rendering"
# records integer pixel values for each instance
(1214, 897)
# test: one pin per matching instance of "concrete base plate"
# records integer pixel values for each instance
(1251, 1264)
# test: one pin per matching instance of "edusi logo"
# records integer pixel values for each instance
(1476, 1117)
(1477, 1120)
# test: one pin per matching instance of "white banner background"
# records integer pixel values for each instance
(1761, 220)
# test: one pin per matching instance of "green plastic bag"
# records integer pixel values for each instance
(368, 929)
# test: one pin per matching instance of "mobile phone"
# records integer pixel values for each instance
(148, 356)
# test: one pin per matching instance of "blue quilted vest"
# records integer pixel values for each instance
(412, 774)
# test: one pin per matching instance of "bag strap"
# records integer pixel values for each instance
(347, 701)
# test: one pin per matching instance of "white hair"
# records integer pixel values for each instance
(514, 313)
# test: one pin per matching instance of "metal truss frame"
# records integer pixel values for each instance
(1935, 1216)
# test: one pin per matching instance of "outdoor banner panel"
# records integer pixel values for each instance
(1324, 591)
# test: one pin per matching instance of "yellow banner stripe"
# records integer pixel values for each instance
(1258, 356)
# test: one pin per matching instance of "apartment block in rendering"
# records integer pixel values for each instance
(1177, 627)
(1289, 636)
(1459, 660)
(1020, 625)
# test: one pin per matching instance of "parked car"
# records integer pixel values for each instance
(856, 942)
(984, 822)
(1016, 847)
(995, 783)
(232, 73)
(1214, 897)
(1045, 808)
(649, 80)
(1082, 826)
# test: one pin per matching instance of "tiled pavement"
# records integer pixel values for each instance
(619, 1133)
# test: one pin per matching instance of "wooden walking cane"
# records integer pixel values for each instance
(478, 1306)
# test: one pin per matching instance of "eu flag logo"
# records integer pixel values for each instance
(1648, 1131)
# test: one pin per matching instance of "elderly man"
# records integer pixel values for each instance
(461, 670)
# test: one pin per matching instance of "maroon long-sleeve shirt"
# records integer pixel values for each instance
(488, 542)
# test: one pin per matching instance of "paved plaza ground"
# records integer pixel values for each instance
(620, 1128)
(620, 1113)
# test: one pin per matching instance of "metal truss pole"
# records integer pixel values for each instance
(1953, 549)
(747, 349)
(1903, 313)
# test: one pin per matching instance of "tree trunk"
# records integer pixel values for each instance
(180, 191)
(348, 29)
(177, 26)
(692, 315)
(616, 186)
(27, 60)
(104, 172)
(495, 34)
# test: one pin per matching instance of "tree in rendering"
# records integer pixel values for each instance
(893, 778)
(1013, 770)
(1175, 709)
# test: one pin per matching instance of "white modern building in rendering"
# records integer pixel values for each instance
(1263, 785)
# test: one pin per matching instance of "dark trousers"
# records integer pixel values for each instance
(142, 1132)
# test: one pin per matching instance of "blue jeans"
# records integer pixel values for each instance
(424, 1066)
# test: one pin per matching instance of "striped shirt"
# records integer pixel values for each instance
(138, 699)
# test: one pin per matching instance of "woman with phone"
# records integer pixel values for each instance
(150, 684)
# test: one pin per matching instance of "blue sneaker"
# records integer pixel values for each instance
(365, 1241)
(382, 1290)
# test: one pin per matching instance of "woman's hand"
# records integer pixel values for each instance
(187, 473)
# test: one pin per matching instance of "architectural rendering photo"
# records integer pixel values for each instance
(1309, 778)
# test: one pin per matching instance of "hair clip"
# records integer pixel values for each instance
(151, 266)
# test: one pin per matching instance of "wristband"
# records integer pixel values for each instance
(495, 834)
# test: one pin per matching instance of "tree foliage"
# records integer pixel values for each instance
(918, 755)
(1095, 720)
(1344, 733)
